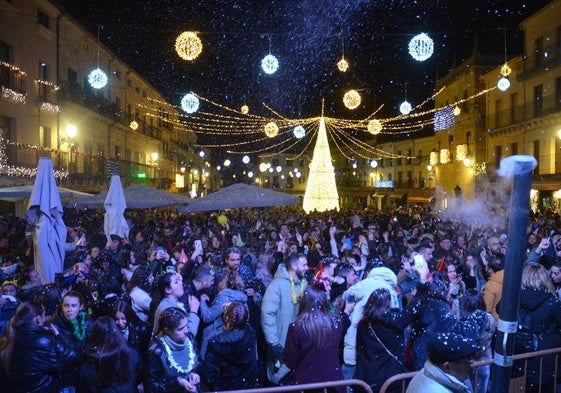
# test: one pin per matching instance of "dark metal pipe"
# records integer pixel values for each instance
(520, 168)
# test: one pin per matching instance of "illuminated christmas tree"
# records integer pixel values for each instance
(321, 190)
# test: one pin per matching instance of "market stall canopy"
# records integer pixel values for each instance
(136, 197)
(238, 196)
(12, 194)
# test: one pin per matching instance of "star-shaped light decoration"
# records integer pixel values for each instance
(343, 65)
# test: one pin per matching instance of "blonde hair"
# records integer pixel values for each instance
(537, 277)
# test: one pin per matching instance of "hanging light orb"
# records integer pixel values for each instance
(270, 64)
(263, 167)
(343, 65)
(374, 127)
(503, 84)
(299, 132)
(245, 159)
(226, 162)
(190, 103)
(374, 164)
(188, 45)
(505, 70)
(133, 125)
(421, 47)
(97, 78)
(250, 174)
(405, 108)
(457, 110)
(245, 109)
(352, 99)
(278, 168)
(271, 129)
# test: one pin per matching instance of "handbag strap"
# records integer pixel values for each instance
(383, 346)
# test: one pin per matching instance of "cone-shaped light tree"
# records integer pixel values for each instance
(321, 191)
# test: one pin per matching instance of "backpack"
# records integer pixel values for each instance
(525, 339)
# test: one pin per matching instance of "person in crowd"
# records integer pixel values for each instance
(110, 365)
(344, 277)
(201, 284)
(32, 356)
(278, 309)
(455, 284)
(172, 359)
(9, 302)
(131, 260)
(140, 288)
(135, 332)
(473, 275)
(556, 278)
(72, 321)
(312, 341)
(230, 289)
(233, 258)
(378, 277)
(169, 291)
(429, 313)
(538, 297)
(494, 268)
(472, 312)
(449, 361)
(380, 342)
(231, 357)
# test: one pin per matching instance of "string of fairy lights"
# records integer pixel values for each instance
(240, 132)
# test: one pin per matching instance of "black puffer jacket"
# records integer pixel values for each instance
(37, 358)
(545, 311)
(231, 361)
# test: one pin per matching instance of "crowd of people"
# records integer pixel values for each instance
(255, 298)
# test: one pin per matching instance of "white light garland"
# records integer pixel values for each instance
(172, 361)
(49, 108)
(190, 103)
(270, 64)
(421, 47)
(97, 79)
(13, 96)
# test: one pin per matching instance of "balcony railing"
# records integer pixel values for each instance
(540, 62)
(548, 105)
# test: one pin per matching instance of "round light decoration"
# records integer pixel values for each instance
(352, 99)
(457, 110)
(405, 108)
(374, 127)
(245, 109)
(190, 103)
(188, 45)
(245, 159)
(343, 65)
(250, 174)
(270, 64)
(227, 162)
(133, 125)
(271, 129)
(374, 164)
(421, 47)
(503, 84)
(278, 168)
(299, 132)
(263, 167)
(97, 78)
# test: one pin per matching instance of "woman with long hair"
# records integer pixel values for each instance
(169, 289)
(539, 299)
(110, 365)
(72, 322)
(230, 289)
(140, 289)
(312, 341)
(33, 357)
(231, 357)
(379, 342)
(172, 359)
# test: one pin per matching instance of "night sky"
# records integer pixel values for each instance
(307, 36)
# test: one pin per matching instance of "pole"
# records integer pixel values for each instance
(520, 168)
